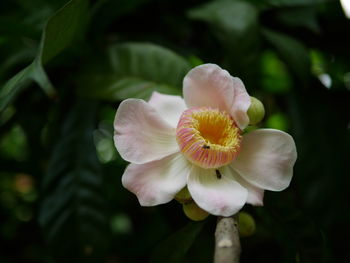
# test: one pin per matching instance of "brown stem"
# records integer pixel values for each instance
(227, 245)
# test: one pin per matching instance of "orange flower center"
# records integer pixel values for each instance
(208, 137)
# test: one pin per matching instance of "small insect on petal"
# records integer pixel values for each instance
(218, 174)
(208, 137)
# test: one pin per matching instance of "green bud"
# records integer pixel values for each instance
(246, 224)
(194, 212)
(256, 111)
(183, 196)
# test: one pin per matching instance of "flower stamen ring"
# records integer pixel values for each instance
(208, 137)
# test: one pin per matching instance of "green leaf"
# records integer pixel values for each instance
(275, 77)
(300, 17)
(135, 70)
(174, 248)
(13, 86)
(292, 3)
(233, 17)
(231, 21)
(19, 57)
(60, 31)
(292, 52)
(73, 204)
(235, 25)
(278, 121)
(106, 12)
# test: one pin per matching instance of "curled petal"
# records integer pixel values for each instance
(210, 86)
(240, 105)
(266, 159)
(168, 106)
(157, 182)
(216, 191)
(255, 194)
(141, 135)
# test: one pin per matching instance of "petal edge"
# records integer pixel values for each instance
(241, 103)
(157, 182)
(220, 197)
(208, 85)
(266, 159)
(170, 107)
(141, 135)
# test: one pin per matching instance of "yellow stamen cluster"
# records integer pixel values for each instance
(208, 137)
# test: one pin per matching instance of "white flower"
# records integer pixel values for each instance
(197, 141)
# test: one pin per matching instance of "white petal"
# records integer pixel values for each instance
(168, 106)
(241, 104)
(219, 196)
(210, 86)
(255, 194)
(141, 135)
(266, 159)
(159, 181)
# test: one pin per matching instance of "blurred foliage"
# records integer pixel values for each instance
(61, 198)
(125, 74)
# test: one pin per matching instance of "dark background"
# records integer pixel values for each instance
(61, 198)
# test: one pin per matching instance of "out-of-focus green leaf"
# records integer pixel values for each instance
(72, 210)
(275, 76)
(277, 121)
(330, 71)
(195, 61)
(318, 64)
(235, 24)
(300, 17)
(21, 56)
(106, 11)
(231, 18)
(292, 52)
(14, 85)
(174, 249)
(135, 70)
(292, 3)
(61, 29)
(14, 144)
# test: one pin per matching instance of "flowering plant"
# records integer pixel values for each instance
(199, 142)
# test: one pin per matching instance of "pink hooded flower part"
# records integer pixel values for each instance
(198, 141)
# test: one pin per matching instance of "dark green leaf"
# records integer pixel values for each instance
(275, 75)
(105, 12)
(13, 86)
(61, 29)
(72, 211)
(21, 56)
(135, 70)
(293, 52)
(290, 3)
(235, 24)
(231, 20)
(306, 17)
(174, 249)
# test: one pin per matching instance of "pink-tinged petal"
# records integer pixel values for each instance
(159, 181)
(141, 135)
(210, 86)
(266, 159)
(219, 194)
(168, 106)
(255, 194)
(240, 105)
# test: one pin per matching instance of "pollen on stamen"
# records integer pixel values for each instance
(208, 137)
